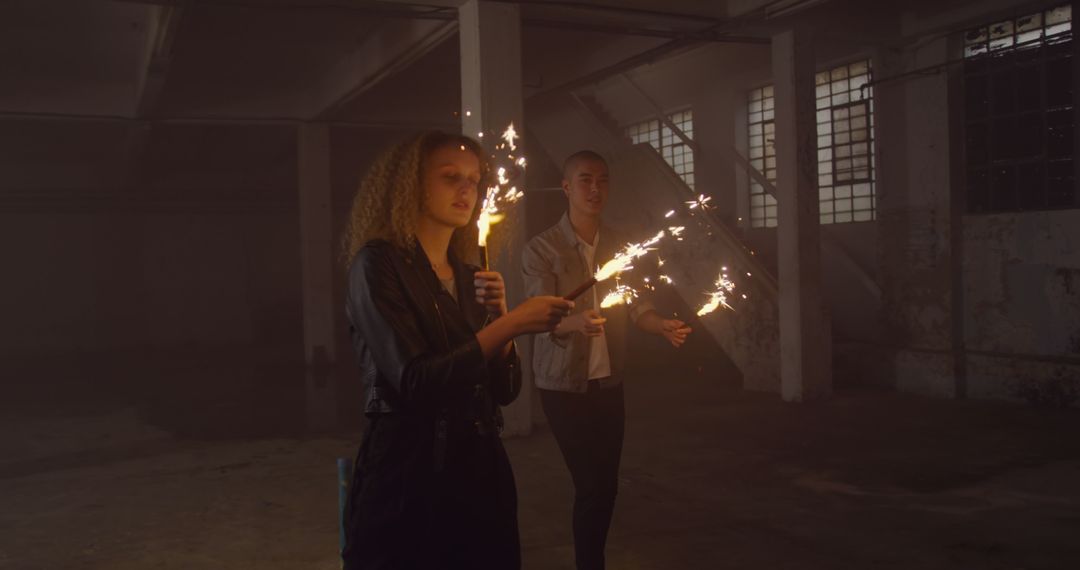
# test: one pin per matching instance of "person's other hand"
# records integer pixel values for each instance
(591, 322)
(675, 331)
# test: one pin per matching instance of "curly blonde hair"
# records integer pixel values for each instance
(390, 196)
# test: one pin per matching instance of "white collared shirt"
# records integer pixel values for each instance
(599, 360)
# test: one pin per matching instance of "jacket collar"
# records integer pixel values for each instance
(463, 281)
(566, 229)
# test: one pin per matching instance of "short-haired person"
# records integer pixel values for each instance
(433, 488)
(577, 366)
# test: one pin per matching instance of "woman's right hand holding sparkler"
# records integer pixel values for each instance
(540, 314)
(534, 315)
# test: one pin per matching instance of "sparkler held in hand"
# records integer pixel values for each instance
(499, 197)
(621, 262)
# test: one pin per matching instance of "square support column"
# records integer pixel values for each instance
(805, 346)
(316, 260)
(491, 98)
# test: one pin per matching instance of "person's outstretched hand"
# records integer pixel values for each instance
(675, 331)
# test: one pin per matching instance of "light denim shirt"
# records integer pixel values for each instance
(553, 264)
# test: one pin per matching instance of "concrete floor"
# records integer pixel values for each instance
(713, 478)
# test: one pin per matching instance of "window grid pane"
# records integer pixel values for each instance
(762, 153)
(670, 146)
(1018, 114)
(845, 137)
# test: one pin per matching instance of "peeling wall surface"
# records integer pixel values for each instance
(1022, 302)
(914, 221)
(1022, 283)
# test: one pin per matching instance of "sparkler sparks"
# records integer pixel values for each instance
(701, 202)
(621, 262)
(489, 211)
(510, 135)
(498, 197)
(622, 295)
(718, 298)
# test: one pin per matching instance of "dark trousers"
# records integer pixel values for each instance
(589, 430)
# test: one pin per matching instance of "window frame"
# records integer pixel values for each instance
(978, 191)
(666, 144)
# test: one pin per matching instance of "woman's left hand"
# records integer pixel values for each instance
(491, 291)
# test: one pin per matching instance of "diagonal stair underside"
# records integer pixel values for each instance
(644, 189)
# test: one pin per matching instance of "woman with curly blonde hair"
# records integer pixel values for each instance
(432, 486)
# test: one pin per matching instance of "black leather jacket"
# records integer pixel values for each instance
(417, 347)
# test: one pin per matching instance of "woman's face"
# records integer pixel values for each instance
(450, 178)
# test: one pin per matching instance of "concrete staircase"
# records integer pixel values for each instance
(644, 189)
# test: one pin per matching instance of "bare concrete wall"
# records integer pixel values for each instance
(108, 280)
(914, 221)
(1022, 303)
(185, 239)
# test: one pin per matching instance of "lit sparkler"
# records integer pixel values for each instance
(718, 298)
(498, 197)
(622, 295)
(621, 262)
(490, 215)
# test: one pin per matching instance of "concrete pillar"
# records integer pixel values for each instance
(1075, 5)
(491, 99)
(805, 346)
(317, 258)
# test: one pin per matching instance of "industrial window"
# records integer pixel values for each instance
(672, 148)
(762, 147)
(845, 143)
(1018, 114)
(845, 146)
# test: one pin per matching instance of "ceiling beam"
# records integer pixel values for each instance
(162, 25)
(393, 48)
